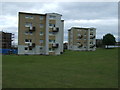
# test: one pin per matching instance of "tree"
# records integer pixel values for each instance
(109, 39)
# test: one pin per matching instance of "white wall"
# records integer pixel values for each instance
(58, 35)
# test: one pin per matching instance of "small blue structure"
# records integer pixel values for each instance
(8, 51)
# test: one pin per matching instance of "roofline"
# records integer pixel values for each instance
(31, 13)
(38, 13)
(5, 32)
(82, 28)
(54, 13)
(69, 29)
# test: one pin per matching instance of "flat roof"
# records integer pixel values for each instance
(80, 28)
(54, 13)
(38, 13)
(31, 13)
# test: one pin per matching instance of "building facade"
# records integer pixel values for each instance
(99, 43)
(40, 33)
(6, 40)
(82, 39)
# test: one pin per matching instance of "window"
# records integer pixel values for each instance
(28, 24)
(30, 33)
(26, 48)
(50, 40)
(28, 40)
(91, 42)
(91, 33)
(50, 49)
(51, 33)
(30, 48)
(52, 17)
(41, 33)
(91, 30)
(41, 41)
(53, 41)
(40, 48)
(85, 38)
(41, 17)
(50, 24)
(41, 25)
(26, 33)
(29, 17)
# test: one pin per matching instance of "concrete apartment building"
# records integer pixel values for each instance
(82, 39)
(40, 33)
(6, 40)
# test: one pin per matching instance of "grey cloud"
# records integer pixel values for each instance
(12, 8)
(89, 10)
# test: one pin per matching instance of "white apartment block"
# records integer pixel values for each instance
(40, 34)
(82, 39)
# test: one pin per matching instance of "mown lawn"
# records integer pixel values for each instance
(73, 69)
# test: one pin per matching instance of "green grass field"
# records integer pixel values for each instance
(73, 69)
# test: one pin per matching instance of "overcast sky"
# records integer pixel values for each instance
(101, 15)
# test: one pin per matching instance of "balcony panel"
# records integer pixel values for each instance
(55, 29)
(32, 29)
(55, 45)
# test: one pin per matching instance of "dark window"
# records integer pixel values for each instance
(40, 47)
(26, 40)
(30, 32)
(50, 40)
(30, 48)
(49, 48)
(50, 24)
(26, 48)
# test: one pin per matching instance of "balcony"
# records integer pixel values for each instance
(31, 45)
(92, 46)
(80, 45)
(55, 29)
(55, 45)
(92, 37)
(81, 36)
(32, 29)
(91, 33)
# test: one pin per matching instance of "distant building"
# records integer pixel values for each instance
(40, 33)
(99, 43)
(65, 45)
(5, 40)
(82, 39)
(117, 44)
